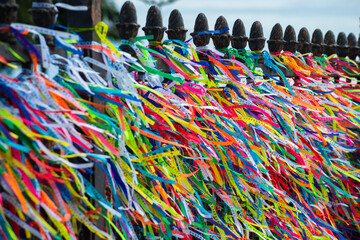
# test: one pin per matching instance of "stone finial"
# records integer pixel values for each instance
(256, 40)
(238, 39)
(201, 24)
(342, 45)
(276, 41)
(8, 11)
(176, 28)
(317, 42)
(221, 40)
(43, 16)
(290, 39)
(8, 14)
(329, 43)
(353, 48)
(127, 26)
(304, 41)
(154, 25)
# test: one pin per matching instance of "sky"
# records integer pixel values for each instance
(335, 15)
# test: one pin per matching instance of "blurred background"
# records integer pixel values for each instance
(335, 15)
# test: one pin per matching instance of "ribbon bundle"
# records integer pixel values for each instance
(192, 153)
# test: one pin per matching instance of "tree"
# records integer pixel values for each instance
(159, 3)
(23, 15)
(110, 16)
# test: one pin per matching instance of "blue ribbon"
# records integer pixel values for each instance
(25, 43)
(209, 32)
(66, 29)
(269, 61)
(58, 43)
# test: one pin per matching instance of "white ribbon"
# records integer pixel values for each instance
(60, 5)
(45, 31)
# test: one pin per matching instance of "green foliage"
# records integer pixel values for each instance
(110, 16)
(23, 15)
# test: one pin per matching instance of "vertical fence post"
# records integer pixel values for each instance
(88, 19)
(290, 39)
(44, 17)
(154, 26)
(352, 53)
(290, 45)
(239, 38)
(317, 43)
(304, 41)
(127, 26)
(276, 44)
(329, 41)
(85, 19)
(330, 48)
(201, 24)
(8, 14)
(342, 48)
(342, 45)
(257, 44)
(256, 40)
(353, 48)
(221, 40)
(176, 28)
(276, 41)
